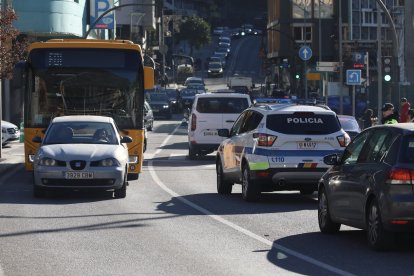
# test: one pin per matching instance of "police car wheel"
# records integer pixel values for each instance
(224, 187)
(250, 191)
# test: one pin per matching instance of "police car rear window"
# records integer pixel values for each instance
(221, 105)
(303, 123)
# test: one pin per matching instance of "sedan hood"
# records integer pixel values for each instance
(92, 152)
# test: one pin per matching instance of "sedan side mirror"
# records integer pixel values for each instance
(126, 139)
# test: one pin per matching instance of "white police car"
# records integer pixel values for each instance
(278, 147)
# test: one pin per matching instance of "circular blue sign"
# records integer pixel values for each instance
(305, 53)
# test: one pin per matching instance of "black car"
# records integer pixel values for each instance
(160, 105)
(187, 97)
(371, 185)
(175, 99)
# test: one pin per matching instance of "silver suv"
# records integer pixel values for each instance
(278, 147)
(210, 112)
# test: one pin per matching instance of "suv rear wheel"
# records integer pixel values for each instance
(250, 191)
(224, 187)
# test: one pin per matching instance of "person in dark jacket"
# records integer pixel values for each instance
(367, 118)
(389, 115)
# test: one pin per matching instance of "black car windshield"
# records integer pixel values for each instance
(158, 97)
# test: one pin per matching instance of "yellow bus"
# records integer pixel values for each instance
(86, 77)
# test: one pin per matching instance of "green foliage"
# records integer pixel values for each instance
(11, 50)
(196, 31)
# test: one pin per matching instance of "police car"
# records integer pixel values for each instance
(278, 147)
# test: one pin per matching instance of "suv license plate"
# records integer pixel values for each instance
(307, 145)
(79, 175)
(210, 133)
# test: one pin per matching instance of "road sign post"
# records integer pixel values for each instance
(305, 53)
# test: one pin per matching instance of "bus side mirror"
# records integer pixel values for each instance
(149, 75)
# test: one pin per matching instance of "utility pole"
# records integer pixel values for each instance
(341, 66)
(379, 61)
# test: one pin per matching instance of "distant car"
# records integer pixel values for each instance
(175, 99)
(215, 69)
(188, 95)
(194, 80)
(81, 153)
(350, 125)
(370, 185)
(218, 58)
(278, 147)
(9, 132)
(148, 117)
(161, 105)
(210, 112)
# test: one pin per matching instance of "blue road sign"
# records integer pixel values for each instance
(353, 77)
(305, 53)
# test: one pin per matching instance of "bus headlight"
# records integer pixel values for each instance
(31, 158)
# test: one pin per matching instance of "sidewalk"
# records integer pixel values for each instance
(12, 155)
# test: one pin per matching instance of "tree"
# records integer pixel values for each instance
(196, 31)
(11, 49)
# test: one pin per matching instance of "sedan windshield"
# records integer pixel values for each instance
(81, 133)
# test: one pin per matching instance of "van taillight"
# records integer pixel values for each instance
(343, 140)
(400, 176)
(193, 122)
(264, 140)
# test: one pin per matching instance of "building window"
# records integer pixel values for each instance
(326, 7)
(302, 34)
(301, 8)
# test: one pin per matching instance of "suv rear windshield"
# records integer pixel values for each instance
(303, 123)
(221, 105)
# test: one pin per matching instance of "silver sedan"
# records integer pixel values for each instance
(81, 152)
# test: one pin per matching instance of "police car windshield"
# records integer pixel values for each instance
(303, 123)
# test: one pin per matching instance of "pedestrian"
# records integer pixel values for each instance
(389, 115)
(404, 107)
(367, 118)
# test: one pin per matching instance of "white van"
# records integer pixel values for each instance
(212, 111)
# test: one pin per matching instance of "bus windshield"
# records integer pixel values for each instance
(72, 81)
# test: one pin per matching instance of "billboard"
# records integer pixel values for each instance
(97, 8)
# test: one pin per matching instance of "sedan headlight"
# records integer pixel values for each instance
(165, 106)
(48, 162)
(109, 162)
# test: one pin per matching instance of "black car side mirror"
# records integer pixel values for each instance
(223, 132)
(331, 159)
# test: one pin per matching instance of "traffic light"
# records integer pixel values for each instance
(297, 76)
(387, 68)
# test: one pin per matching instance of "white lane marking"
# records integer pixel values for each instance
(175, 156)
(232, 225)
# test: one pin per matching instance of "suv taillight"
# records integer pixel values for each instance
(343, 140)
(400, 176)
(193, 122)
(264, 140)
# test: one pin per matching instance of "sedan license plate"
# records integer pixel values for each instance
(307, 145)
(79, 175)
(210, 133)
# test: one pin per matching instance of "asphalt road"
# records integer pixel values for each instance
(173, 222)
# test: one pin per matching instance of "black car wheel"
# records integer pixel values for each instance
(224, 187)
(326, 225)
(378, 237)
(250, 191)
